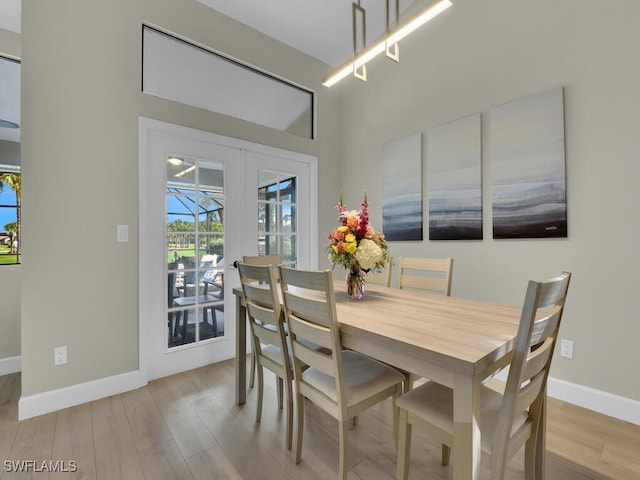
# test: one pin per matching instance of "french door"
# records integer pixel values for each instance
(205, 201)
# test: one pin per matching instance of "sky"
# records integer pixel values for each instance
(7, 197)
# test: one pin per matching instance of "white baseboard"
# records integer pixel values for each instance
(46, 402)
(602, 402)
(33, 405)
(10, 365)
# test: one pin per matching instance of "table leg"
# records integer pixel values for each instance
(241, 352)
(466, 437)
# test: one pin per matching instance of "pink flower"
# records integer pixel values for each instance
(370, 232)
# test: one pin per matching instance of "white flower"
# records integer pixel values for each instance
(369, 254)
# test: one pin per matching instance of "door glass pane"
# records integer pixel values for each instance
(195, 251)
(277, 222)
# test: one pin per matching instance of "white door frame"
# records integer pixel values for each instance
(150, 271)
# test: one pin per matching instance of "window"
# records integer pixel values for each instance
(177, 70)
(9, 161)
(9, 215)
(277, 216)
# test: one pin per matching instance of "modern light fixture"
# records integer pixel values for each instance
(185, 171)
(389, 43)
(175, 161)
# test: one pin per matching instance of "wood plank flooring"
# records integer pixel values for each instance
(187, 426)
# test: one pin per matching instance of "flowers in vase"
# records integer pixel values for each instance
(355, 244)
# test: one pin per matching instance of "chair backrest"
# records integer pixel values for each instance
(273, 260)
(260, 289)
(382, 277)
(525, 390)
(310, 313)
(430, 274)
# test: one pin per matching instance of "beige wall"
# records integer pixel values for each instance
(81, 103)
(9, 275)
(481, 54)
(10, 313)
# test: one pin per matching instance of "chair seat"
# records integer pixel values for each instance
(363, 377)
(433, 403)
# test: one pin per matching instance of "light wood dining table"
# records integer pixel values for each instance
(454, 341)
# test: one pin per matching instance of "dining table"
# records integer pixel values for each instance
(454, 341)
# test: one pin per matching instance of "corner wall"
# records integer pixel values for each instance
(481, 54)
(81, 103)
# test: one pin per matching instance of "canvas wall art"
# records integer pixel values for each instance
(454, 180)
(528, 167)
(402, 189)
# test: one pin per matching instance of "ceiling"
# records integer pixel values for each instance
(10, 73)
(319, 28)
(10, 15)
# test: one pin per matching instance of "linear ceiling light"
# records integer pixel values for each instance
(185, 171)
(393, 37)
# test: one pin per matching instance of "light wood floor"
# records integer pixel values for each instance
(188, 427)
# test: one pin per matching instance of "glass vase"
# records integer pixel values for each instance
(355, 283)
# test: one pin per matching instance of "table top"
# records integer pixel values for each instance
(460, 335)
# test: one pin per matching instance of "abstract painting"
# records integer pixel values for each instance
(454, 180)
(402, 189)
(528, 167)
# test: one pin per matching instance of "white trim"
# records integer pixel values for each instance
(10, 365)
(33, 405)
(615, 406)
(606, 403)
(148, 129)
(40, 403)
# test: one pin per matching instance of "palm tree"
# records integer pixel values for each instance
(13, 180)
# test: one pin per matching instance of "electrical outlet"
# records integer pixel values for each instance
(60, 355)
(122, 233)
(566, 349)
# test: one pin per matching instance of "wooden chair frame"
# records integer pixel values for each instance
(429, 274)
(383, 277)
(269, 339)
(342, 382)
(508, 420)
(274, 261)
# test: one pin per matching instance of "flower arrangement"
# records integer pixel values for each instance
(355, 244)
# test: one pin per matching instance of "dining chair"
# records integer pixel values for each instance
(383, 277)
(269, 342)
(208, 293)
(510, 419)
(432, 275)
(275, 261)
(342, 382)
